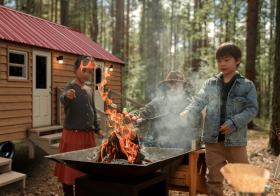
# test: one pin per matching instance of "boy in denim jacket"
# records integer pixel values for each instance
(231, 102)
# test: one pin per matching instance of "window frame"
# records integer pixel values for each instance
(25, 53)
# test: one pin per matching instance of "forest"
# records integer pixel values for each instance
(154, 37)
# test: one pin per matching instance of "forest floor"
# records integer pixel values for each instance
(40, 179)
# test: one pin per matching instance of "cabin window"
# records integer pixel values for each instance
(18, 66)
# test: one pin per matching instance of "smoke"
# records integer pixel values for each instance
(169, 131)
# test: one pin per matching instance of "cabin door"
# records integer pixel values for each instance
(41, 88)
(98, 76)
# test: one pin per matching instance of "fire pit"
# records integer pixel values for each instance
(120, 177)
(81, 160)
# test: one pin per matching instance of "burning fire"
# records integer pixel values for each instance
(121, 134)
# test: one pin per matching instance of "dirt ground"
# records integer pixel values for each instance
(40, 179)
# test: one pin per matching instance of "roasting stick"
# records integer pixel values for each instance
(157, 116)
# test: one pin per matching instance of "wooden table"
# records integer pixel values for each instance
(191, 178)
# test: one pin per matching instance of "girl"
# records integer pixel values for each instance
(80, 121)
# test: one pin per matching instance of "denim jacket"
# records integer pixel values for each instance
(241, 108)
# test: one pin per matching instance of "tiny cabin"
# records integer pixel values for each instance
(36, 59)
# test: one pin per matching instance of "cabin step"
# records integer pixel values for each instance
(44, 137)
(4, 161)
(46, 129)
(51, 137)
(54, 146)
(12, 177)
(5, 165)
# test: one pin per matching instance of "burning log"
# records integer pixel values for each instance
(122, 142)
(116, 147)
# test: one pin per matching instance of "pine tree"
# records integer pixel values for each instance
(252, 21)
(64, 12)
(95, 27)
(275, 119)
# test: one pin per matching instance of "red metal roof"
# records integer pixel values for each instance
(24, 28)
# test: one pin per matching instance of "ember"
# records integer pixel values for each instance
(122, 142)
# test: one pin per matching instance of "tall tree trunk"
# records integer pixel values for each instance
(52, 10)
(189, 35)
(194, 41)
(214, 35)
(171, 33)
(227, 7)
(259, 82)
(148, 35)
(119, 39)
(64, 9)
(75, 19)
(205, 36)
(94, 29)
(221, 23)
(101, 25)
(275, 119)
(200, 26)
(112, 10)
(127, 32)
(40, 9)
(28, 6)
(270, 55)
(185, 49)
(85, 14)
(252, 27)
(16, 4)
(234, 20)
(55, 17)
(176, 35)
(142, 30)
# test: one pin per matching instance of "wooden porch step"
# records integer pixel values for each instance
(50, 137)
(47, 128)
(4, 161)
(55, 146)
(5, 165)
(11, 177)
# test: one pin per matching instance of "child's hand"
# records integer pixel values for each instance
(101, 134)
(70, 94)
(183, 116)
(128, 118)
(224, 129)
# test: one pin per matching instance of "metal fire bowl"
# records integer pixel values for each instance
(78, 160)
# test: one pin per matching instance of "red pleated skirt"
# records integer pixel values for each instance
(72, 140)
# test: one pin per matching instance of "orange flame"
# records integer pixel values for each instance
(90, 65)
(121, 131)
